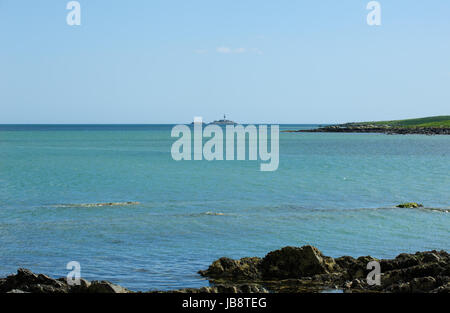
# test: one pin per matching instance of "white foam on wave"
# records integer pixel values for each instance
(214, 213)
(102, 204)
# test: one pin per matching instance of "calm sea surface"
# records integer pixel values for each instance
(333, 191)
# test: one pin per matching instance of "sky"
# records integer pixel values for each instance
(258, 61)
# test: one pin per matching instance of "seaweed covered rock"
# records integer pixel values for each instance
(410, 205)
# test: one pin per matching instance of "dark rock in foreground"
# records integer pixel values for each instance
(26, 281)
(288, 270)
(228, 269)
(306, 269)
(284, 263)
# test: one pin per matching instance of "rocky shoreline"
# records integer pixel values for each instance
(306, 269)
(288, 270)
(376, 129)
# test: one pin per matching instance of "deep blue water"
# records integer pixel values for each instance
(334, 191)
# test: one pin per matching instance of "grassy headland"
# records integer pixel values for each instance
(433, 121)
(434, 125)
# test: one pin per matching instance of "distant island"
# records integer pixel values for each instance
(223, 121)
(435, 125)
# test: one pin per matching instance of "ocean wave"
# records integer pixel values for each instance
(443, 210)
(436, 209)
(209, 213)
(90, 205)
(214, 213)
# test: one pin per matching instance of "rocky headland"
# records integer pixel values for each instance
(288, 270)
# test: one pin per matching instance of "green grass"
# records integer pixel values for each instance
(434, 121)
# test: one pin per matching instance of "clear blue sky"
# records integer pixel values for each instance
(166, 61)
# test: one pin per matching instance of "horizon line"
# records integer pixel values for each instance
(141, 124)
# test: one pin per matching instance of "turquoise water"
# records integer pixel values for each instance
(333, 191)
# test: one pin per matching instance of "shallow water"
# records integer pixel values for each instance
(333, 191)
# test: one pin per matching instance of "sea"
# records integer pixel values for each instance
(112, 198)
